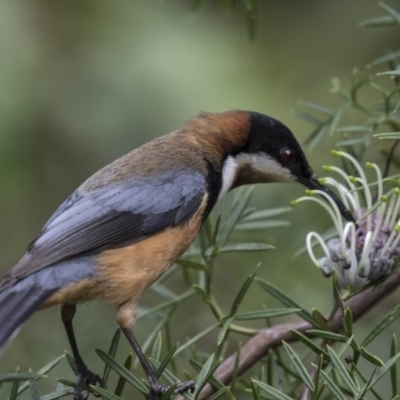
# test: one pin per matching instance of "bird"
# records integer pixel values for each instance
(129, 222)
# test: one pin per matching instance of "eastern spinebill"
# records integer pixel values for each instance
(128, 223)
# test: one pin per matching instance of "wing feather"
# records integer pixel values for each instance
(113, 217)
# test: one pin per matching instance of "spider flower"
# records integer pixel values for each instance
(364, 252)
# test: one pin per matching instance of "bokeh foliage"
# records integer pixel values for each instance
(221, 322)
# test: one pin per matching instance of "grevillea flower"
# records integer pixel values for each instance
(366, 252)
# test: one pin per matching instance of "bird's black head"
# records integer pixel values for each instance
(272, 154)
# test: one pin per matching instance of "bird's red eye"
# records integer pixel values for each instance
(288, 156)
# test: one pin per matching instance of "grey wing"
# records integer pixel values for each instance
(114, 216)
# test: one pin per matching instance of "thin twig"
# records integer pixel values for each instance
(259, 345)
(389, 158)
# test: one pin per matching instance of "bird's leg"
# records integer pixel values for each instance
(83, 374)
(156, 387)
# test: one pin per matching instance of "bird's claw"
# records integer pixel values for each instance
(85, 377)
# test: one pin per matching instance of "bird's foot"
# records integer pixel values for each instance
(157, 389)
(85, 377)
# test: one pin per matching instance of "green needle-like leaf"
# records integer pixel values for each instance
(328, 335)
(156, 350)
(380, 372)
(224, 331)
(242, 292)
(299, 367)
(14, 390)
(112, 351)
(191, 264)
(59, 394)
(105, 394)
(34, 389)
(370, 357)
(246, 247)
(166, 360)
(219, 394)
(196, 338)
(121, 381)
(122, 371)
(271, 391)
(267, 313)
(20, 376)
(348, 322)
(391, 11)
(207, 370)
(382, 325)
(310, 344)
(236, 213)
(338, 395)
(286, 300)
(342, 371)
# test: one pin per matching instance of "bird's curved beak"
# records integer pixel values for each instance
(313, 183)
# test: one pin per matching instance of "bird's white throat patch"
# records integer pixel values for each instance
(264, 167)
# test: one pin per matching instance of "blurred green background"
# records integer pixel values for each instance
(83, 82)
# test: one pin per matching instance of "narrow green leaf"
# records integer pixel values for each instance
(380, 372)
(202, 294)
(224, 331)
(370, 357)
(379, 22)
(236, 213)
(267, 313)
(246, 247)
(58, 394)
(355, 129)
(14, 390)
(310, 344)
(382, 325)
(299, 367)
(105, 394)
(342, 371)
(156, 350)
(191, 264)
(272, 224)
(348, 322)
(353, 142)
(254, 390)
(263, 214)
(166, 360)
(307, 117)
(332, 386)
(388, 136)
(122, 371)
(112, 351)
(317, 107)
(152, 336)
(34, 389)
(242, 292)
(316, 136)
(336, 120)
(328, 335)
(275, 393)
(391, 11)
(42, 372)
(393, 369)
(286, 300)
(204, 375)
(395, 72)
(20, 376)
(178, 299)
(319, 368)
(196, 338)
(385, 59)
(219, 394)
(121, 381)
(320, 319)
